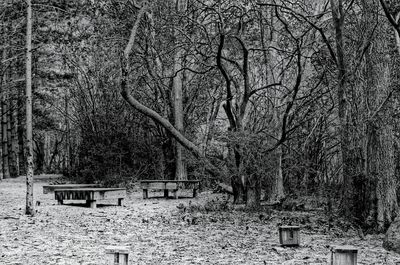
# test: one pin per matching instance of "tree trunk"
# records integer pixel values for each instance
(20, 133)
(4, 123)
(39, 155)
(12, 133)
(177, 91)
(238, 188)
(1, 164)
(233, 153)
(381, 166)
(270, 56)
(387, 206)
(253, 187)
(278, 192)
(15, 145)
(29, 176)
(2, 89)
(349, 156)
(67, 165)
(4, 112)
(160, 163)
(47, 152)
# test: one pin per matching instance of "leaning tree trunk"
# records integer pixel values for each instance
(132, 101)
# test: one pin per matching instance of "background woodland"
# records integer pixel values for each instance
(280, 99)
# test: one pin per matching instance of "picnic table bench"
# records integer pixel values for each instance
(50, 188)
(167, 185)
(91, 195)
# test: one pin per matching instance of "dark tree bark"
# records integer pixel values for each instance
(350, 154)
(4, 120)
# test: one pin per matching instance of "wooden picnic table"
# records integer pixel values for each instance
(90, 195)
(167, 185)
(50, 188)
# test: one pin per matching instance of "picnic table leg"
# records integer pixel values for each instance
(194, 193)
(92, 204)
(166, 193)
(60, 202)
(145, 194)
(120, 201)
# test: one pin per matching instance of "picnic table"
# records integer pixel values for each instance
(50, 188)
(169, 185)
(90, 195)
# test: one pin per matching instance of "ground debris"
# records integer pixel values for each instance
(206, 230)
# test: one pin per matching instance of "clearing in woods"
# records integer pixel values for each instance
(160, 231)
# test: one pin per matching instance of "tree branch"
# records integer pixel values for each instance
(392, 21)
(129, 46)
(321, 32)
(228, 105)
(246, 82)
(142, 108)
(264, 87)
(162, 121)
(290, 104)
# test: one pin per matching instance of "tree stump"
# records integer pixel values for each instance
(392, 237)
(344, 255)
(117, 255)
(289, 236)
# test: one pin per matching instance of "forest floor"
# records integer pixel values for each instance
(204, 230)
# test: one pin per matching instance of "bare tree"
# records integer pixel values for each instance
(29, 142)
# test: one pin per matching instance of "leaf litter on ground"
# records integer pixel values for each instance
(203, 230)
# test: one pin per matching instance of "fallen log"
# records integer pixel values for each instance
(9, 217)
(222, 187)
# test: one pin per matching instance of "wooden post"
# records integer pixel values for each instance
(120, 201)
(117, 255)
(289, 236)
(344, 255)
(145, 194)
(92, 204)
